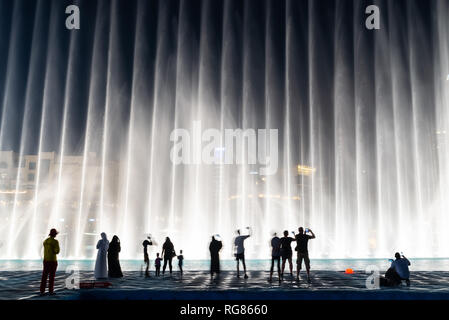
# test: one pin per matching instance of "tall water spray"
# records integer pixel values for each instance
(361, 117)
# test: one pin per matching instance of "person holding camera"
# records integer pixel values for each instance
(400, 266)
(302, 239)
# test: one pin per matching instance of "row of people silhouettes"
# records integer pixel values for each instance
(168, 253)
(281, 248)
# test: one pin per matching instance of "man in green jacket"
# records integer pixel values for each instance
(51, 249)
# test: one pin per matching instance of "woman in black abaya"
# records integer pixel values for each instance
(114, 269)
(214, 248)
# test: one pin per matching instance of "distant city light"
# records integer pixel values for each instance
(12, 192)
(305, 170)
(262, 195)
(91, 220)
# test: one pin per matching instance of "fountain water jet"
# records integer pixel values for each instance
(361, 115)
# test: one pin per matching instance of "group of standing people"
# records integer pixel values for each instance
(281, 248)
(112, 249)
(239, 249)
(108, 251)
(168, 253)
(108, 265)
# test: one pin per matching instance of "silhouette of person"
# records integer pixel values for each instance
(240, 251)
(101, 268)
(275, 256)
(214, 248)
(51, 249)
(168, 252)
(180, 261)
(286, 252)
(157, 264)
(400, 267)
(303, 253)
(146, 258)
(115, 271)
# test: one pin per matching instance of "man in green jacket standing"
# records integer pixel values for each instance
(51, 249)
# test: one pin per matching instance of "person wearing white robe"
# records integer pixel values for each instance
(101, 267)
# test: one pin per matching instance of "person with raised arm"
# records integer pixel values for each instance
(240, 250)
(302, 240)
(147, 242)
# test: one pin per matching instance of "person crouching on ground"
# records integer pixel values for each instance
(51, 249)
(400, 266)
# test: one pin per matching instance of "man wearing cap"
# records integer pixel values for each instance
(51, 249)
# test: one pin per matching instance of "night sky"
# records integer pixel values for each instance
(35, 42)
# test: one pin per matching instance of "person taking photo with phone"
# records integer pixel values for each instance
(302, 240)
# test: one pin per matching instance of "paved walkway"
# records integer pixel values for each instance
(198, 285)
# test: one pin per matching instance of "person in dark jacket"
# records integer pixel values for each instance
(114, 269)
(180, 262)
(168, 253)
(286, 252)
(146, 258)
(214, 248)
(275, 256)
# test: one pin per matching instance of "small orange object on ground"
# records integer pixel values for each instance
(349, 271)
